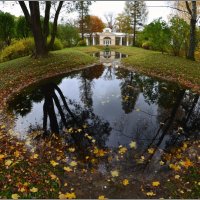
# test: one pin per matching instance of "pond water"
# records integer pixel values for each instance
(108, 105)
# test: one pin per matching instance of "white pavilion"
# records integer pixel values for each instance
(108, 37)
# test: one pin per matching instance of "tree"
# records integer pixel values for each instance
(188, 11)
(123, 23)
(158, 33)
(22, 28)
(40, 30)
(7, 27)
(68, 33)
(179, 31)
(83, 8)
(192, 9)
(95, 24)
(110, 20)
(138, 14)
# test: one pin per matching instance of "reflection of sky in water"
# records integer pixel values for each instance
(141, 124)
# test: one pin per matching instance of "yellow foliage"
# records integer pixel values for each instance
(15, 196)
(34, 189)
(155, 183)
(125, 182)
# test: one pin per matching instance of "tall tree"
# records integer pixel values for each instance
(179, 31)
(22, 28)
(189, 10)
(110, 18)
(7, 27)
(192, 9)
(123, 23)
(95, 24)
(138, 13)
(41, 30)
(83, 8)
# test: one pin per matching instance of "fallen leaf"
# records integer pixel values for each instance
(15, 196)
(114, 173)
(34, 189)
(125, 182)
(155, 183)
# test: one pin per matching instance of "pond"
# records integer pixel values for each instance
(118, 121)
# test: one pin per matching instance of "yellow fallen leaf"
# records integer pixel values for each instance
(16, 153)
(155, 183)
(62, 196)
(150, 194)
(73, 163)
(67, 169)
(71, 149)
(122, 150)
(53, 176)
(125, 182)
(53, 163)
(151, 150)
(35, 156)
(70, 195)
(187, 163)
(22, 189)
(114, 173)
(15, 196)
(8, 162)
(175, 167)
(66, 184)
(34, 189)
(161, 163)
(101, 197)
(133, 145)
(177, 176)
(2, 156)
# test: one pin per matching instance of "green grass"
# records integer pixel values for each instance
(18, 73)
(154, 63)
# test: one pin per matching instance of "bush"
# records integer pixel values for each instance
(17, 49)
(23, 47)
(82, 43)
(147, 45)
(57, 44)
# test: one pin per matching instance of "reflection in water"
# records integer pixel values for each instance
(112, 105)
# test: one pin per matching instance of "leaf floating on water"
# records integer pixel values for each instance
(122, 150)
(161, 163)
(151, 150)
(133, 145)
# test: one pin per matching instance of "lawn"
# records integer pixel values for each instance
(165, 66)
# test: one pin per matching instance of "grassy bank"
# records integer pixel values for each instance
(168, 67)
(16, 74)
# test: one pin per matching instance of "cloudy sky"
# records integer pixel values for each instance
(100, 8)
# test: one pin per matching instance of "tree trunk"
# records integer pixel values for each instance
(134, 26)
(40, 47)
(193, 21)
(55, 24)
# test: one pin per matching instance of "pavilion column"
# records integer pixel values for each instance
(87, 42)
(93, 40)
(127, 42)
(120, 41)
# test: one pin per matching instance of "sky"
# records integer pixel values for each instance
(100, 8)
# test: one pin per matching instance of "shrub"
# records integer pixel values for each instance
(57, 44)
(17, 49)
(82, 43)
(147, 45)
